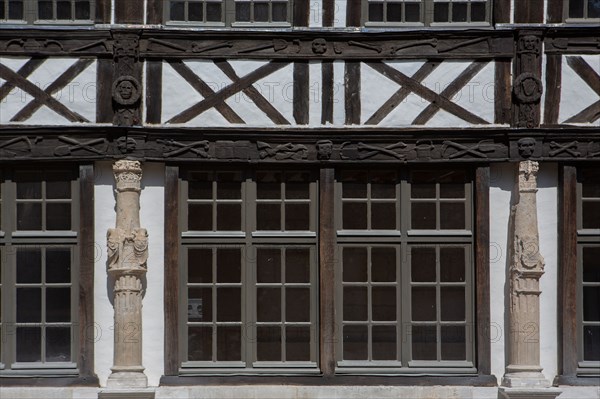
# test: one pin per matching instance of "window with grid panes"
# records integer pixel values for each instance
(426, 12)
(229, 12)
(588, 247)
(47, 11)
(39, 273)
(582, 9)
(249, 270)
(404, 285)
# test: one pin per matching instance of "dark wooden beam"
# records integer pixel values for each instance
(301, 92)
(328, 13)
(87, 254)
(352, 92)
(104, 79)
(502, 92)
(501, 9)
(353, 12)
(555, 11)
(154, 91)
(327, 257)
(553, 87)
(529, 11)
(155, 11)
(301, 12)
(327, 92)
(102, 12)
(482, 268)
(129, 11)
(171, 292)
(568, 269)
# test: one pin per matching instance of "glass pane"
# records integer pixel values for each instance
(591, 264)
(383, 264)
(591, 214)
(63, 10)
(58, 305)
(15, 10)
(29, 305)
(200, 217)
(452, 264)
(242, 11)
(58, 216)
(576, 8)
(424, 345)
(440, 12)
(268, 304)
(268, 184)
(591, 343)
(268, 265)
(229, 217)
(229, 186)
(355, 303)
(354, 184)
(261, 12)
(200, 189)
(177, 11)
(229, 304)
(58, 265)
(268, 343)
(384, 342)
(383, 216)
(452, 215)
(213, 12)
(453, 343)
(375, 12)
(58, 189)
(452, 300)
(29, 266)
(297, 265)
(354, 215)
(268, 217)
(452, 190)
(297, 185)
(590, 181)
(200, 265)
(29, 344)
(229, 343)
(355, 264)
(384, 303)
(383, 185)
(2, 16)
(459, 12)
(195, 11)
(297, 344)
(58, 344)
(423, 304)
(200, 343)
(297, 307)
(591, 299)
(200, 304)
(279, 11)
(394, 12)
(424, 190)
(593, 9)
(423, 215)
(356, 343)
(82, 10)
(29, 216)
(297, 217)
(422, 261)
(412, 12)
(229, 268)
(478, 12)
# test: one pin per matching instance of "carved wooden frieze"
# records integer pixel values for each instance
(558, 43)
(94, 43)
(527, 85)
(126, 87)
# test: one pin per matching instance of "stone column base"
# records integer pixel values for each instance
(525, 379)
(127, 379)
(133, 393)
(528, 393)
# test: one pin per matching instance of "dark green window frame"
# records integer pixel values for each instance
(40, 12)
(255, 329)
(370, 340)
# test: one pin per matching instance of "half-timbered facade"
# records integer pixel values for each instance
(284, 198)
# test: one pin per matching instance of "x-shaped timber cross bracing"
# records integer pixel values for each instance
(41, 97)
(592, 79)
(414, 84)
(217, 99)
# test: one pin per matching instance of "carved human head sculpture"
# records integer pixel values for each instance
(125, 89)
(529, 43)
(324, 149)
(526, 147)
(319, 46)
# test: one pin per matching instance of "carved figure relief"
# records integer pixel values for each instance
(319, 46)
(478, 150)
(324, 149)
(569, 148)
(528, 88)
(526, 147)
(126, 90)
(282, 151)
(17, 146)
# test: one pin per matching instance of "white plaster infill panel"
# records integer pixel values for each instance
(576, 95)
(77, 96)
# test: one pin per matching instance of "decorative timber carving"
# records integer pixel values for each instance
(126, 88)
(527, 86)
(526, 147)
(282, 151)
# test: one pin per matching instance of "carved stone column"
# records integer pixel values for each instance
(127, 255)
(524, 376)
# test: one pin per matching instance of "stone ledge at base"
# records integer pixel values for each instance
(525, 393)
(148, 393)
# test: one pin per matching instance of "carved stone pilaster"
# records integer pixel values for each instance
(127, 256)
(126, 89)
(524, 373)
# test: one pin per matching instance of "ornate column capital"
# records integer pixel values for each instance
(128, 175)
(528, 171)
